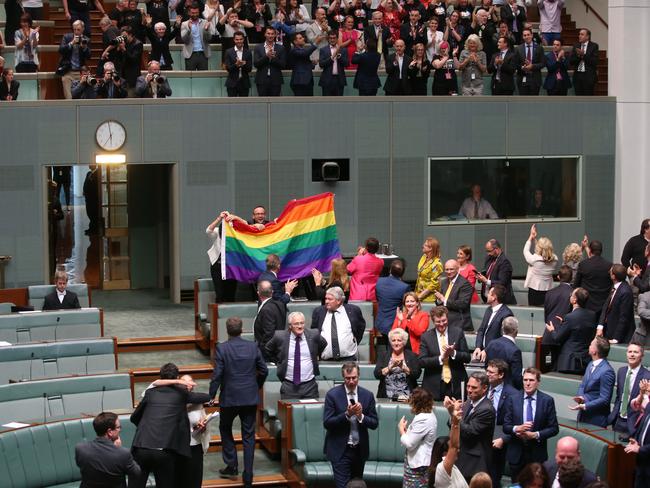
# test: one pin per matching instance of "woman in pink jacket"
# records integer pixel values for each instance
(364, 270)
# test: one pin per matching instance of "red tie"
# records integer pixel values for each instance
(529, 55)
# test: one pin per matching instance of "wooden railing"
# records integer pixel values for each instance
(588, 7)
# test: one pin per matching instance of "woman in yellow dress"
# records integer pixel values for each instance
(429, 270)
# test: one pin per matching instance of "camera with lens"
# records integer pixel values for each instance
(118, 40)
(91, 80)
(116, 77)
(157, 78)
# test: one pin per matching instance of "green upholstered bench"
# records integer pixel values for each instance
(37, 294)
(31, 361)
(594, 451)
(43, 455)
(203, 296)
(562, 389)
(386, 457)
(51, 326)
(5, 308)
(70, 397)
(528, 346)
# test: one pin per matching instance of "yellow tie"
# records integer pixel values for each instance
(451, 284)
(380, 43)
(446, 370)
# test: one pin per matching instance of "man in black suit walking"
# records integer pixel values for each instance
(296, 351)
(103, 461)
(456, 294)
(271, 316)
(239, 373)
(239, 63)
(163, 429)
(593, 275)
(530, 61)
(61, 298)
(617, 316)
(556, 305)
(270, 60)
(443, 355)
(341, 325)
(584, 59)
(498, 271)
(490, 328)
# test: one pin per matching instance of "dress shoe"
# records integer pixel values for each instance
(228, 472)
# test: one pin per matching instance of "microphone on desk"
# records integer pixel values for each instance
(31, 367)
(56, 327)
(44, 407)
(102, 400)
(87, 353)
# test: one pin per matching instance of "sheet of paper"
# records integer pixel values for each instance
(5, 343)
(308, 400)
(15, 425)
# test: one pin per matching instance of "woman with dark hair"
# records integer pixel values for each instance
(418, 439)
(397, 368)
(26, 42)
(532, 476)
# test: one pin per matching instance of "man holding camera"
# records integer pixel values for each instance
(152, 85)
(111, 86)
(128, 51)
(74, 51)
(196, 34)
(86, 87)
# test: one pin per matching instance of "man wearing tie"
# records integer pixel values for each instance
(617, 316)
(503, 66)
(490, 328)
(239, 63)
(270, 316)
(270, 60)
(296, 351)
(341, 325)
(584, 59)
(623, 418)
(498, 271)
(595, 391)
(476, 428)
(456, 294)
(499, 395)
(530, 61)
(530, 420)
(348, 413)
(380, 34)
(640, 445)
(443, 355)
(333, 61)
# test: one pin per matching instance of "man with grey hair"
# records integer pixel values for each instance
(456, 294)
(61, 298)
(75, 51)
(296, 351)
(271, 316)
(112, 86)
(506, 348)
(341, 325)
(153, 84)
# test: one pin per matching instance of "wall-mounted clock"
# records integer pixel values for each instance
(110, 135)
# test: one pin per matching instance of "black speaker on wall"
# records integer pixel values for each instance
(330, 170)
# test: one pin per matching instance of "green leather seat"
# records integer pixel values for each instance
(204, 289)
(37, 293)
(17, 328)
(562, 389)
(5, 308)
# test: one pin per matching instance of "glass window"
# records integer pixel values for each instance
(489, 189)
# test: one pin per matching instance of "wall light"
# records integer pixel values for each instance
(110, 158)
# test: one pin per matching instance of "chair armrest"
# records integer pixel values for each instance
(296, 456)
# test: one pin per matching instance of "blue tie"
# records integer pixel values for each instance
(529, 409)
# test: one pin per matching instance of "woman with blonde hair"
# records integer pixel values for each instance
(429, 270)
(412, 319)
(572, 256)
(541, 267)
(338, 277)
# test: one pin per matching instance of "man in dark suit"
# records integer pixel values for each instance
(530, 420)
(635, 251)
(640, 445)
(584, 59)
(593, 275)
(456, 294)
(641, 274)
(61, 298)
(332, 61)
(239, 63)
(413, 32)
(490, 328)
(567, 448)
(296, 351)
(443, 355)
(530, 61)
(485, 29)
(302, 77)
(379, 33)
(239, 373)
(502, 66)
(390, 293)
(505, 348)
(366, 79)
(163, 429)
(556, 305)
(271, 316)
(270, 60)
(498, 271)
(623, 418)
(103, 461)
(281, 293)
(573, 334)
(616, 321)
(476, 428)
(341, 325)
(595, 392)
(348, 413)
(514, 16)
(499, 395)
(397, 82)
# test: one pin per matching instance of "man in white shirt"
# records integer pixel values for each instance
(61, 298)
(476, 207)
(584, 59)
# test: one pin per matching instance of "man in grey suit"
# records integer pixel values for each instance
(456, 294)
(196, 34)
(296, 352)
(103, 461)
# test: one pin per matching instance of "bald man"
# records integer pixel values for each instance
(567, 448)
(456, 294)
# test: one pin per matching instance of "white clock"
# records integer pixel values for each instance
(110, 135)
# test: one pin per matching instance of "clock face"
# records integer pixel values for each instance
(110, 135)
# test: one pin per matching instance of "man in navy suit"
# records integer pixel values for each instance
(348, 414)
(332, 61)
(617, 316)
(302, 77)
(505, 348)
(593, 275)
(530, 420)
(456, 294)
(498, 271)
(270, 59)
(499, 395)
(271, 316)
(623, 418)
(341, 325)
(239, 372)
(556, 305)
(239, 63)
(530, 60)
(490, 328)
(640, 445)
(281, 292)
(390, 292)
(366, 79)
(61, 298)
(595, 391)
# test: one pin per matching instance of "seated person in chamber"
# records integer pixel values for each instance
(476, 207)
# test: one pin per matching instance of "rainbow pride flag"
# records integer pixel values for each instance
(304, 236)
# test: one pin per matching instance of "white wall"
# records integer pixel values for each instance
(582, 18)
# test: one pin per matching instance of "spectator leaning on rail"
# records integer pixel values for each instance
(86, 87)
(152, 85)
(8, 86)
(112, 86)
(74, 51)
(26, 42)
